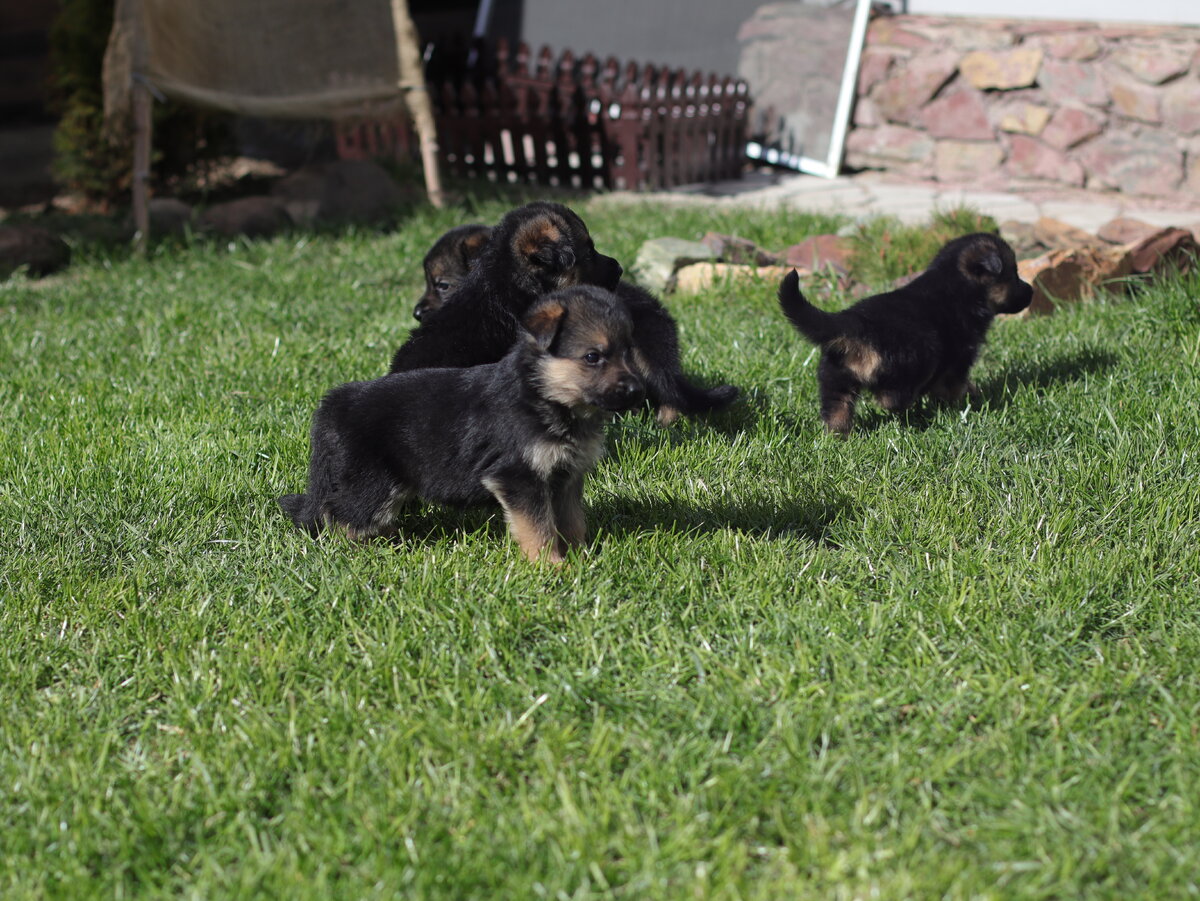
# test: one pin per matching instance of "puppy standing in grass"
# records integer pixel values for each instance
(524, 431)
(655, 334)
(920, 339)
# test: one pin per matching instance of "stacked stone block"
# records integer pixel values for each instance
(1004, 103)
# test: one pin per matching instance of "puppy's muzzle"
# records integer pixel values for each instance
(1019, 297)
(426, 303)
(626, 393)
(607, 272)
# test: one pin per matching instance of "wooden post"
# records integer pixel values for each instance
(416, 97)
(143, 124)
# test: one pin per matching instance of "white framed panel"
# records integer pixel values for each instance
(813, 136)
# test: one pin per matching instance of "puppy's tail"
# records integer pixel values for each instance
(815, 325)
(300, 508)
(692, 400)
(672, 393)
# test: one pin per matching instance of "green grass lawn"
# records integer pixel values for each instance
(953, 656)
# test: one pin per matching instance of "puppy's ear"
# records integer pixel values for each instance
(544, 321)
(473, 244)
(544, 244)
(982, 262)
(555, 257)
(992, 264)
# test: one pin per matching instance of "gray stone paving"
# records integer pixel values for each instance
(871, 194)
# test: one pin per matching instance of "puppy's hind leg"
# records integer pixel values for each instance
(839, 393)
(952, 387)
(896, 400)
(300, 508)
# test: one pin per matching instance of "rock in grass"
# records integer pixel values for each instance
(1071, 274)
(1057, 275)
(820, 252)
(732, 249)
(694, 278)
(1022, 238)
(1059, 235)
(40, 251)
(660, 258)
(254, 217)
(340, 191)
(1126, 230)
(169, 216)
(1169, 247)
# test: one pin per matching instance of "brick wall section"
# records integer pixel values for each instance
(995, 102)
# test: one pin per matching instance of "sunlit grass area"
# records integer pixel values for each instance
(951, 656)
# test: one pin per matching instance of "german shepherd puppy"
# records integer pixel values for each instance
(448, 262)
(920, 339)
(655, 335)
(524, 431)
(535, 249)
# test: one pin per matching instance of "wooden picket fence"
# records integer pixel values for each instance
(569, 122)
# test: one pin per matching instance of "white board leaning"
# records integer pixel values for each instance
(812, 105)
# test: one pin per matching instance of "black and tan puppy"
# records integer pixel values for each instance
(920, 339)
(655, 334)
(523, 431)
(536, 249)
(448, 262)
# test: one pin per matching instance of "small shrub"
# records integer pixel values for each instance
(86, 160)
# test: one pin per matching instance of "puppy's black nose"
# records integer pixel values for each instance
(630, 387)
(610, 272)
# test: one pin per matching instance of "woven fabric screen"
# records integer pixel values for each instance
(270, 58)
(303, 59)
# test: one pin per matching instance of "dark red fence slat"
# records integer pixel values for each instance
(513, 116)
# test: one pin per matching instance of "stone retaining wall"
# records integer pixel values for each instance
(995, 102)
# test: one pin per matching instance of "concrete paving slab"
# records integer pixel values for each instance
(1088, 216)
(873, 193)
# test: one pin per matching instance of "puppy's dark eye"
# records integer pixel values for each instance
(592, 357)
(442, 285)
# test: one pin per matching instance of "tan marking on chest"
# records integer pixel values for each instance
(546, 457)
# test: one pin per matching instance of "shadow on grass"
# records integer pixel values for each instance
(430, 525)
(869, 418)
(762, 517)
(740, 416)
(765, 518)
(997, 391)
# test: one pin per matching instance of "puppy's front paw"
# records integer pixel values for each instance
(667, 414)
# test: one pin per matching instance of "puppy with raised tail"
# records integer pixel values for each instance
(523, 432)
(920, 339)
